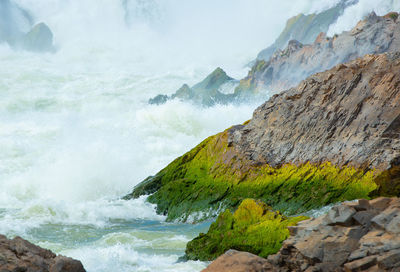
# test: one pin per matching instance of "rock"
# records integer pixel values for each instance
(39, 39)
(65, 264)
(236, 261)
(253, 227)
(286, 67)
(330, 139)
(159, 99)
(327, 247)
(360, 265)
(20, 255)
(206, 93)
(305, 28)
(341, 215)
(16, 29)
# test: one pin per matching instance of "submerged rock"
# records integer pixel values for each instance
(20, 255)
(253, 227)
(333, 138)
(206, 92)
(325, 244)
(287, 67)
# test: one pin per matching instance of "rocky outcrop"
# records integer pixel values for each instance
(206, 93)
(357, 236)
(305, 28)
(20, 255)
(333, 138)
(286, 68)
(38, 39)
(17, 29)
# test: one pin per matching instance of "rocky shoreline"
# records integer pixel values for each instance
(331, 139)
(357, 236)
(19, 255)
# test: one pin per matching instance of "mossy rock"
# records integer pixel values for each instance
(214, 176)
(254, 227)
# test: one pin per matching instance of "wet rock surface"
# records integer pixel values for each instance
(369, 241)
(19, 255)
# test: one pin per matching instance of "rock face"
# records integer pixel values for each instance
(333, 138)
(20, 255)
(206, 93)
(305, 28)
(363, 236)
(286, 68)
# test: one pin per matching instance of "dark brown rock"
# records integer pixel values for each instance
(20, 255)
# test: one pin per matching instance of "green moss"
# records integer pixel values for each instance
(214, 176)
(254, 227)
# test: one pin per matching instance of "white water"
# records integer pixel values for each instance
(76, 132)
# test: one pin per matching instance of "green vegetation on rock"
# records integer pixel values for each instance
(254, 227)
(214, 175)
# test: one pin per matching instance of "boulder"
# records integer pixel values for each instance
(319, 245)
(20, 255)
(237, 261)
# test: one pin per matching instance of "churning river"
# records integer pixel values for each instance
(76, 132)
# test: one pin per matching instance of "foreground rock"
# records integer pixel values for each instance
(286, 68)
(207, 92)
(359, 236)
(253, 227)
(238, 261)
(333, 138)
(20, 255)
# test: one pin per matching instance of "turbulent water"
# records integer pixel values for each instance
(76, 132)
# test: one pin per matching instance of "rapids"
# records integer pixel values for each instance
(76, 132)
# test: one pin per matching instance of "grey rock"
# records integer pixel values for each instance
(206, 93)
(287, 67)
(341, 215)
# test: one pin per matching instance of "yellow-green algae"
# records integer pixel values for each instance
(254, 227)
(214, 174)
